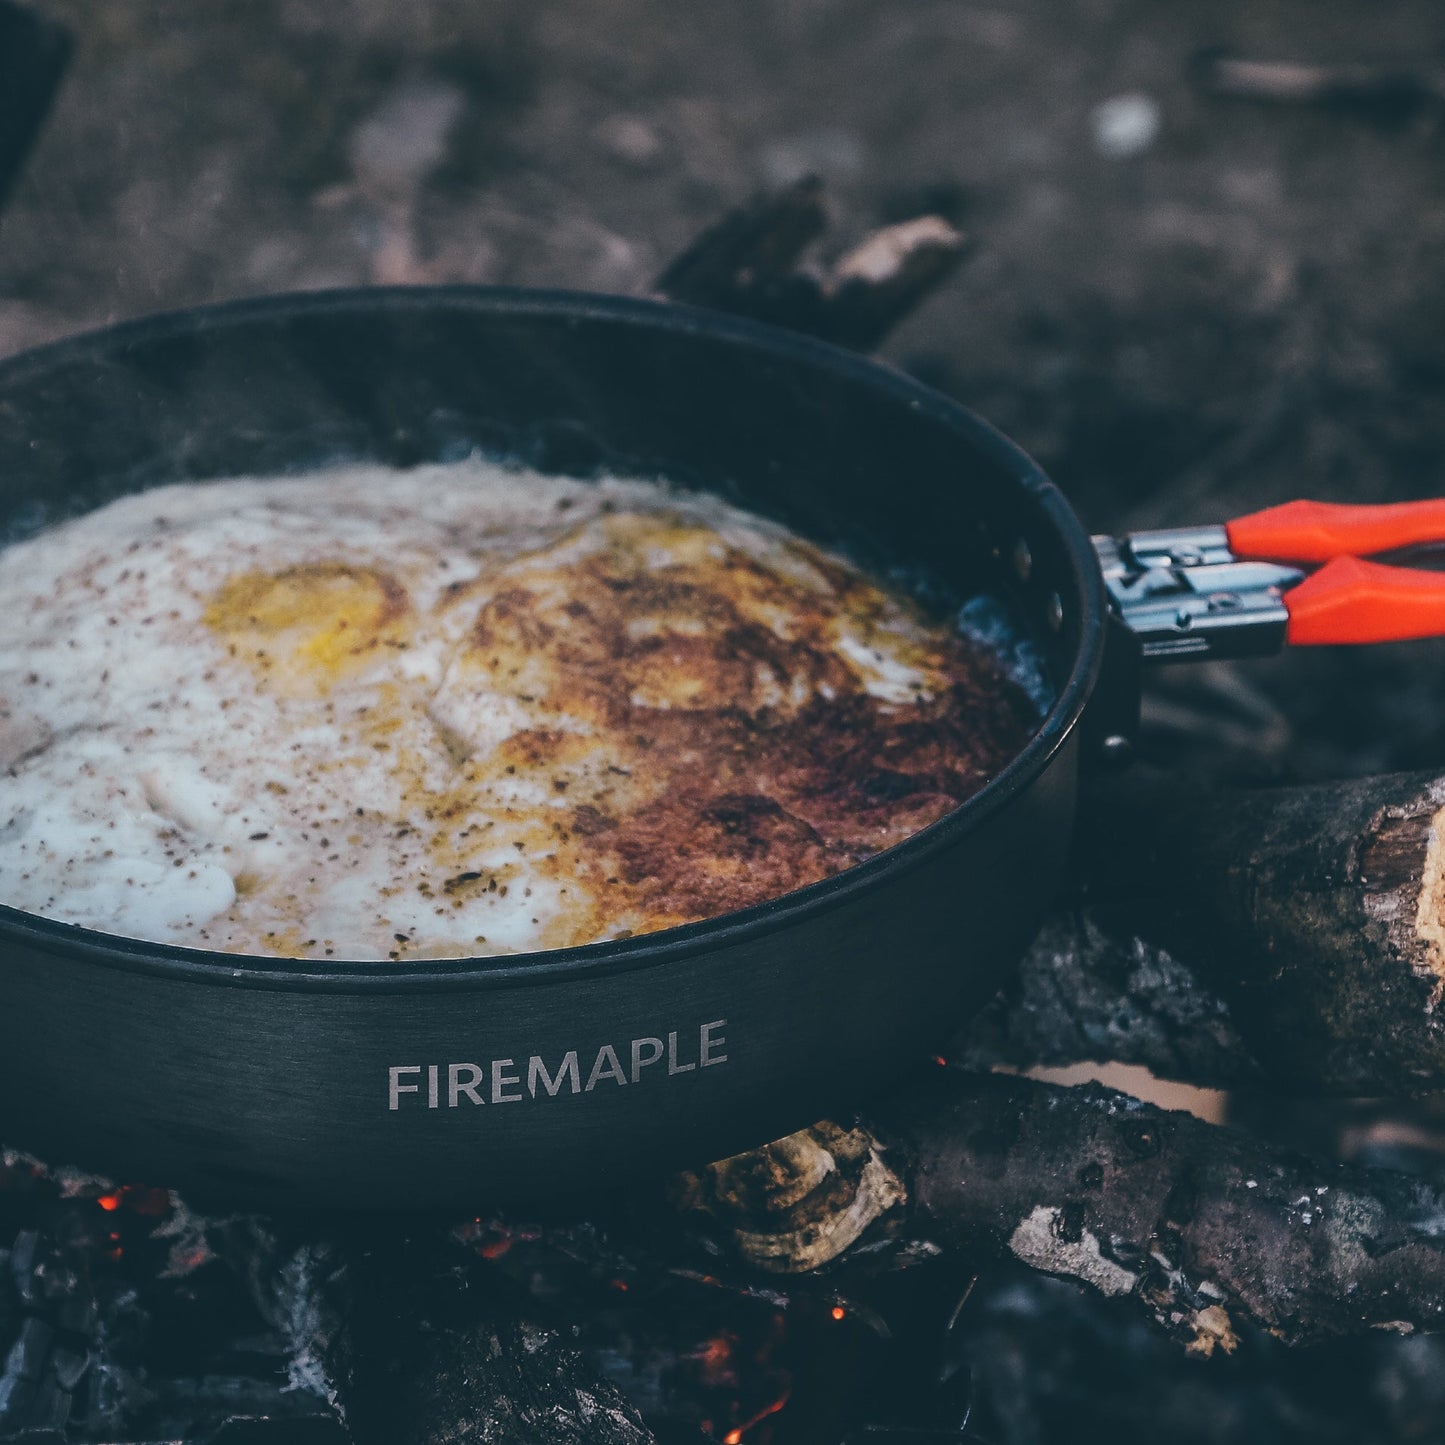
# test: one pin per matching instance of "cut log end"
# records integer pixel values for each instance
(1430, 914)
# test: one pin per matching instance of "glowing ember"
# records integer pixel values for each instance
(735, 1435)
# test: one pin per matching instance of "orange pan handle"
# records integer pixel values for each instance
(1318, 531)
(1350, 600)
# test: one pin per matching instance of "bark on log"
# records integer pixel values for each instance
(1294, 937)
(1201, 1227)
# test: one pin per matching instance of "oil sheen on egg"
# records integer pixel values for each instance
(460, 710)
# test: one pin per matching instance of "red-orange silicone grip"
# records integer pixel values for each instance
(1317, 531)
(1349, 600)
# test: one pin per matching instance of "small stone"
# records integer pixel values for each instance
(405, 138)
(629, 139)
(1125, 125)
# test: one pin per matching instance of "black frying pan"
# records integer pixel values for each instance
(268, 1082)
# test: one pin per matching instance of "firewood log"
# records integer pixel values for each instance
(1200, 1227)
(1292, 937)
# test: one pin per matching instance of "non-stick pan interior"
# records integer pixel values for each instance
(838, 449)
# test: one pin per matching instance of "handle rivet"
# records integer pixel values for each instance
(1054, 615)
(1023, 560)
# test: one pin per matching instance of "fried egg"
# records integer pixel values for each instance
(460, 710)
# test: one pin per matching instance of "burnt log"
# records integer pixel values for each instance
(752, 263)
(1293, 937)
(746, 261)
(1203, 1228)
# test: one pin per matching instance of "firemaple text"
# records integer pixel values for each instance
(514, 1081)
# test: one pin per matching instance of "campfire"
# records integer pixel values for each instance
(975, 1251)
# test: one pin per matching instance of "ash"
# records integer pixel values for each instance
(119, 1321)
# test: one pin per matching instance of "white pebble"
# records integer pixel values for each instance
(1125, 125)
(630, 139)
(403, 140)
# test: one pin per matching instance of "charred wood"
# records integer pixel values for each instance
(752, 263)
(418, 1350)
(1202, 1228)
(1085, 994)
(744, 261)
(878, 283)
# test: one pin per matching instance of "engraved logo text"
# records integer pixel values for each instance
(515, 1080)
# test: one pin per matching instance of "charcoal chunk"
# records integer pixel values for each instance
(77, 1314)
(69, 1366)
(24, 1258)
(15, 1397)
(50, 1408)
(29, 1353)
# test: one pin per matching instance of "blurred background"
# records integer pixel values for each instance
(1204, 275)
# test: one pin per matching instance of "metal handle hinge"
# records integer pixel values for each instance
(1184, 594)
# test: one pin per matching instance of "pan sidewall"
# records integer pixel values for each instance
(261, 1098)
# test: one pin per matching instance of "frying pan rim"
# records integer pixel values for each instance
(669, 945)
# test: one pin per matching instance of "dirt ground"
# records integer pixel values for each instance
(1183, 305)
